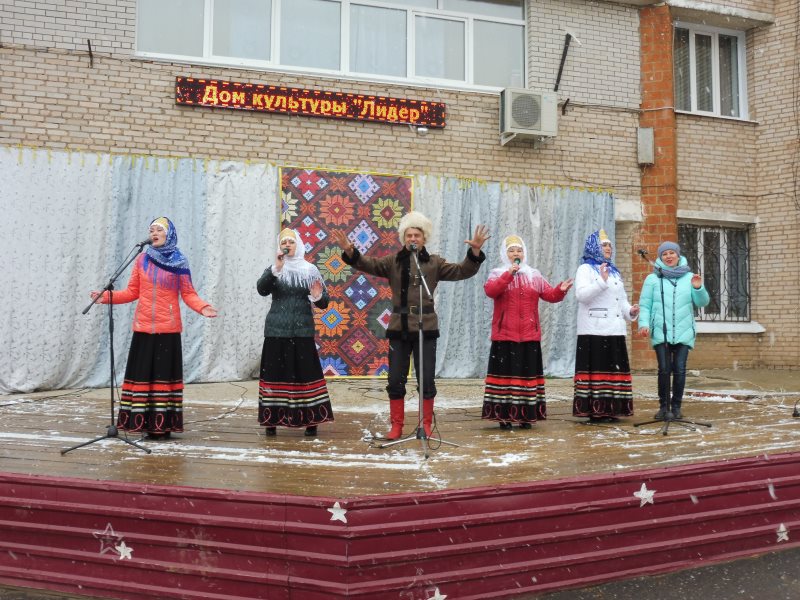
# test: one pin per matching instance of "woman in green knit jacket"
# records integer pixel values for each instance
(292, 390)
(666, 315)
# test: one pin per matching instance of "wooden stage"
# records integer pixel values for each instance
(222, 511)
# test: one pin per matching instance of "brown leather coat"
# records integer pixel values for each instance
(401, 271)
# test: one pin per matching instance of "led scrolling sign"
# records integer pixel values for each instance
(309, 103)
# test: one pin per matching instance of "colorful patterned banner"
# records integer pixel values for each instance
(352, 330)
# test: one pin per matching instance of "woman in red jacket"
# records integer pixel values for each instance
(152, 394)
(515, 378)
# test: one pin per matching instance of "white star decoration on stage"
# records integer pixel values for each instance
(108, 539)
(123, 551)
(644, 495)
(437, 595)
(783, 533)
(338, 513)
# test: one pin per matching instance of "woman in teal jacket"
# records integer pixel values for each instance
(667, 302)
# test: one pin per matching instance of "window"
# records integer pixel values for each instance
(464, 43)
(173, 28)
(241, 28)
(709, 71)
(311, 33)
(722, 256)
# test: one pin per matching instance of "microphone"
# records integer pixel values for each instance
(147, 242)
(413, 246)
(285, 250)
(641, 252)
(516, 262)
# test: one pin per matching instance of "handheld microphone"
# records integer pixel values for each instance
(413, 247)
(285, 250)
(147, 242)
(516, 262)
(642, 252)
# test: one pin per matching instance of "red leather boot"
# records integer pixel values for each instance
(397, 415)
(427, 415)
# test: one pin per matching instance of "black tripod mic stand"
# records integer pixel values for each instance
(111, 430)
(669, 418)
(420, 431)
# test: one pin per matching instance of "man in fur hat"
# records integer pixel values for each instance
(403, 330)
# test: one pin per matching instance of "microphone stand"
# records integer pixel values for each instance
(420, 431)
(111, 430)
(669, 417)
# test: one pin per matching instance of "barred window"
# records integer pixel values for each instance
(722, 256)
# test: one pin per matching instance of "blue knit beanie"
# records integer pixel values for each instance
(668, 246)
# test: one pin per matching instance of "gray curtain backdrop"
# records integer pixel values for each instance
(71, 218)
(554, 222)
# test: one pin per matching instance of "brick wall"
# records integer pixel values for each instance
(607, 38)
(716, 164)
(747, 168)
(659, 194)
(726, 351)
(775, 97)
(67, 24)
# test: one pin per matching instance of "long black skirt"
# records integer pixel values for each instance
(602, 377)
(292, 390)
(514, 390)
(152, 393)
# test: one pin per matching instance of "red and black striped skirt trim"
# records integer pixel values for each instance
(291, 390)
(514, 389)
(152, 392)
(602, 382)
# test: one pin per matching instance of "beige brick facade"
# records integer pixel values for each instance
(52, 97)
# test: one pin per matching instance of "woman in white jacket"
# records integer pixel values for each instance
(602, 372)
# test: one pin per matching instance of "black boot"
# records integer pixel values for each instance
(662, 411)
(676, 410)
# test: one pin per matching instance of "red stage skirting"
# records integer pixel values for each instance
(490, 542)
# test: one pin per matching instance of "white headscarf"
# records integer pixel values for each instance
(296, 270)
(526, 275)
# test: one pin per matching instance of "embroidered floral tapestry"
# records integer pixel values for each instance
(352, 330)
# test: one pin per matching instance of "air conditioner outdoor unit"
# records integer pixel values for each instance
(527, 113)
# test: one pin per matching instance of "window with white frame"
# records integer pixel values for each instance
(722, 256)
(464, 43)
(709, 68)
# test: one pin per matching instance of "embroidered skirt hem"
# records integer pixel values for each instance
(514, 391)
(152, 392)
(602, 382)
(292, 391)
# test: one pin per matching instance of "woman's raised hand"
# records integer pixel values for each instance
(604, 271)
(316, 290)
(565, 285)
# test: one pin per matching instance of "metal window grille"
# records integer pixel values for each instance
(722, 256)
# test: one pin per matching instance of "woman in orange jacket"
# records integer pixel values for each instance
(152, 393)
